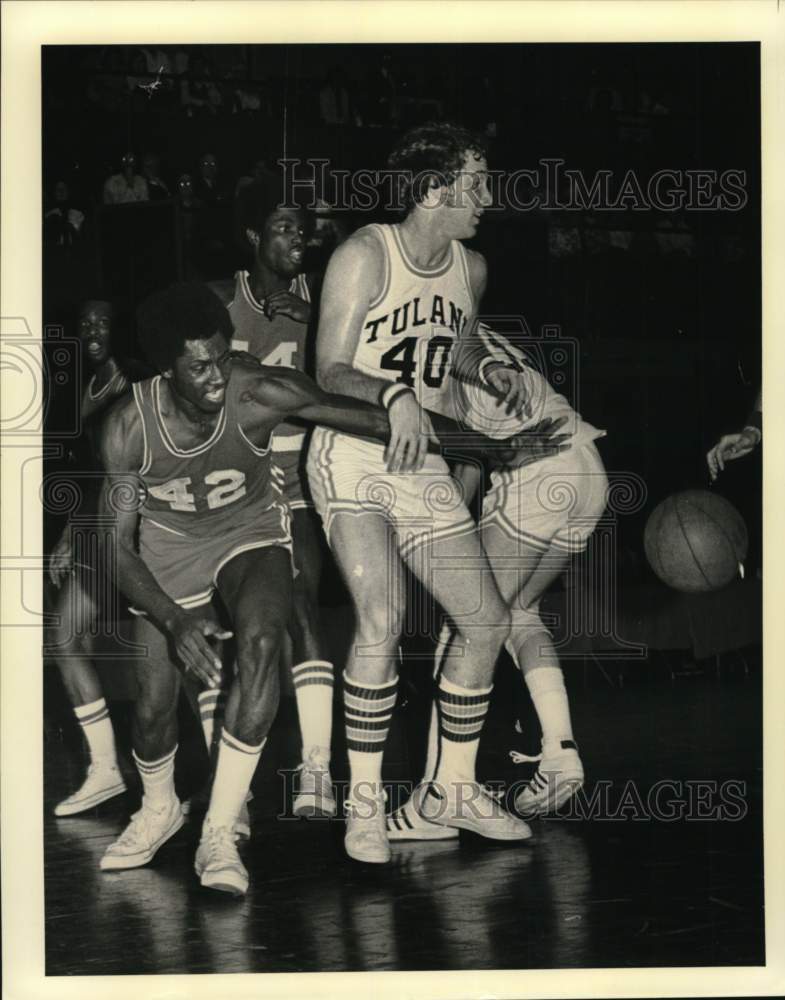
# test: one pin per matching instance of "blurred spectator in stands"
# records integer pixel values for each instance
(329, 229)
(334, 102)
(261, 170)
(187, 209)
(208, 187)
(107, 86)
(246, 99)
(126, 186)
(382, 94)
(151, 171)
(66, 248)
(63, 221)
(198, 92)
(214, 223)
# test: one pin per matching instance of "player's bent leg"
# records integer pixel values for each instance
(456, 571)
(154, 740)
(312, 673)
(560, 772)
(76, 611)
(365, 548)
(259, 624)
(407, 821)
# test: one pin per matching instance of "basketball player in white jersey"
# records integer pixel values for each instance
(394, 303)
(270, 309)
(533, 520)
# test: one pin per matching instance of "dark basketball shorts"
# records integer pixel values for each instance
(186, 568)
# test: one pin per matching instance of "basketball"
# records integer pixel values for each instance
(695, 541)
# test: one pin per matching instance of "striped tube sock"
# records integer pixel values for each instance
(97, 728)
(546, 687)
(368, 709)
(462, 713)
(313, 689)
(211, 704)
(157, 778)
(233, 773)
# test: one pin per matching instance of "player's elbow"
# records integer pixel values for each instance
(329, 375)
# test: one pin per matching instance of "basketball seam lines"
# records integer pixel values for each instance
(689, 545)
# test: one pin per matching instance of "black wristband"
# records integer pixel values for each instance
(392, 392)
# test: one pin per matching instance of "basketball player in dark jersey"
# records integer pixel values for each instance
(80, 588)
(197, 439)
(270, 308)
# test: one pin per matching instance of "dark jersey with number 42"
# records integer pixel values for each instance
(220, 484)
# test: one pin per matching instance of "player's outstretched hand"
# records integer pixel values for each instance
(410, 432)
(532, 445)
(61, 560)
(286, 303)
(731, 446)
(512, 388)
(190, 635)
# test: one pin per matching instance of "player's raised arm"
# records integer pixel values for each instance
(122, 453)
(353, 280)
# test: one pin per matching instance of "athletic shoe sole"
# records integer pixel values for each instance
(223, 880)
(368, 857)
(82, 805)
(122, 861)
(313, 806)
(485, 828)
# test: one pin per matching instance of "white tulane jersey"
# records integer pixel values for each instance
(478, 408)
(410, 330)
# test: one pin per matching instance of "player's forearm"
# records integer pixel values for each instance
(463, 439)
(350, 416)
(342, 379)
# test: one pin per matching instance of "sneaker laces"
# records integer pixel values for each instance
(221, 841)
(524, 758)
(139, 825)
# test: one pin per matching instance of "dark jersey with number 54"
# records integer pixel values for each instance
(220, 484)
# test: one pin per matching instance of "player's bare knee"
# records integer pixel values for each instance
(380, 621)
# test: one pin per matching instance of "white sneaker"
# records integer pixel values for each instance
(148, 830)
(558, 777)
(102, 782)
(366, 829)
(467, 805)
(408, 823)
(315, 787)
(217, 862)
